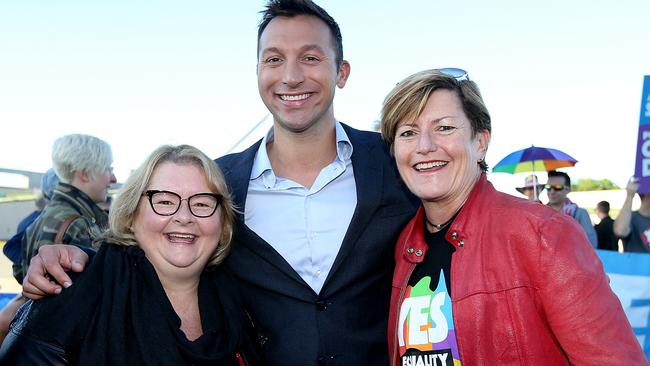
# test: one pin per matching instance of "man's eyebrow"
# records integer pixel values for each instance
(305, 48)
(312, 47)
(270, 50)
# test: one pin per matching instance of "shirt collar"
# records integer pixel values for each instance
(262, 163)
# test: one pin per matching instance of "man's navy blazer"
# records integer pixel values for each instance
(345, 324)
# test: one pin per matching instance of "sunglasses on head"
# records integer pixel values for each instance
(555, 187)
(456, 73)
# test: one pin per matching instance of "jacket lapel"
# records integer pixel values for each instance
(237, 170)
(238, 177)
(367, 177)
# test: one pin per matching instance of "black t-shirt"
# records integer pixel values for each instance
(437, 257)
(426, 334)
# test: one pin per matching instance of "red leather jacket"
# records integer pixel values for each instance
(527, 288)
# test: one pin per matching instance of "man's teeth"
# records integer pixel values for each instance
(433, 164)
(294, 97)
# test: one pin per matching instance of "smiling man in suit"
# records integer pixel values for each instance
(322, 205)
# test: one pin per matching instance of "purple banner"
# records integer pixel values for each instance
(642, 170)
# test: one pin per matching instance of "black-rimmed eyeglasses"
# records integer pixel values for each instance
(166, 203)
(454, 72)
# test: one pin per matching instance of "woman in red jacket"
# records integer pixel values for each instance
(482, 277)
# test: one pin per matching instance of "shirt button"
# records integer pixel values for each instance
(454, 235)
(409, 250)
(418, 252)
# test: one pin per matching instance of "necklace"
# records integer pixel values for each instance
(441, 226)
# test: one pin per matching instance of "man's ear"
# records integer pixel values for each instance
(343, 74)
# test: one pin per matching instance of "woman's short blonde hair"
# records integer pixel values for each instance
(125, 206)
(409, 97)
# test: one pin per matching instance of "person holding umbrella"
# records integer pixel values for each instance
(483, 277)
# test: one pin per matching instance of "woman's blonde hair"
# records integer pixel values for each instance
(125, 206)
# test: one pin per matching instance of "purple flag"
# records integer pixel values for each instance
(642, 170)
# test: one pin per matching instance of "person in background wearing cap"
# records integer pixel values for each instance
(13, 247)
(634, 227)
(528, 191)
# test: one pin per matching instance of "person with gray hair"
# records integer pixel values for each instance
(83, 165)
(154, 293)
(321, 204)
(84, 161)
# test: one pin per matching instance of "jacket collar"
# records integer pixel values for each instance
(262, 162)
(369, 194)
(73, 196)
(415, 245)
(476, 203)
(366, 177)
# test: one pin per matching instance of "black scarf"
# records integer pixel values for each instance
(123, 317)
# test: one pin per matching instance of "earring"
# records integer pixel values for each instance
(480, 160)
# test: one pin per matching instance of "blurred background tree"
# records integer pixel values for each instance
(594, 185)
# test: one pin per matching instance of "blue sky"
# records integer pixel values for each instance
(562, 74)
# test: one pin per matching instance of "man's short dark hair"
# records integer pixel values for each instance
(292, 8)
(603, 206)
(555, 173)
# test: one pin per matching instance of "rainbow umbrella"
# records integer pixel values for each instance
(534, 159)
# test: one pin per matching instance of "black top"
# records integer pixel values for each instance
(428, 331)
(436, 258)
(607, 240)
(117, 313)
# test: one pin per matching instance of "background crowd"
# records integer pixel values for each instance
(631, 227)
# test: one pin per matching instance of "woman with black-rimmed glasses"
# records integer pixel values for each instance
(153, 294)
(482, 277)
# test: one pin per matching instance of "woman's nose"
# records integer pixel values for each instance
(425, 143)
